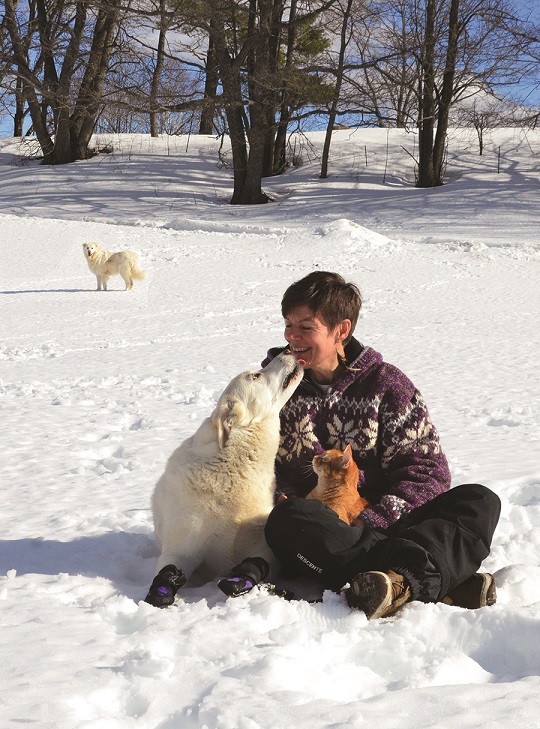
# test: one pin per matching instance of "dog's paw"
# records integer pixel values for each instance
(164, 586)
(235, 586)
(160, 597)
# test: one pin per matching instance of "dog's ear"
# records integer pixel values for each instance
(227, 415)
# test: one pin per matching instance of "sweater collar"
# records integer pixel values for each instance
(360, 359)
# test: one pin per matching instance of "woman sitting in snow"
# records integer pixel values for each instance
(418, 539)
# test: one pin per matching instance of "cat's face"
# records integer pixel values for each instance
(333, 461)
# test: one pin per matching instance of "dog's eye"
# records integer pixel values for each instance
(255, 375)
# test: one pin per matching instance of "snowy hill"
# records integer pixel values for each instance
(97, 389)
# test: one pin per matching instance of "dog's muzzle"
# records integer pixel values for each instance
(291, 376)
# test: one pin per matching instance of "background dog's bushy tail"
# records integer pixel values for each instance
(138, 274)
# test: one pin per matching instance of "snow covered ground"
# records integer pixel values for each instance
(97, 389)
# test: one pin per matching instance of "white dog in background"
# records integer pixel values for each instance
(211, 504)
(104, 265)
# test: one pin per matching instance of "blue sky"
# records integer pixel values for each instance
(532, 89)
(529, 91)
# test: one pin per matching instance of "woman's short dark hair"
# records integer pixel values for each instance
(326, 294)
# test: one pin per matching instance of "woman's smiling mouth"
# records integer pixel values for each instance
(298, 352)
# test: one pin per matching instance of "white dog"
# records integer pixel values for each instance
(105, 265)
(211, 504)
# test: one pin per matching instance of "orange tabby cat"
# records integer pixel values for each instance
(337, 486)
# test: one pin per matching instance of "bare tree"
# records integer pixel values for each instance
(482, 115)
(466, 45)
(75, 46)
(248, 39)
(344, 41)
(386, 80)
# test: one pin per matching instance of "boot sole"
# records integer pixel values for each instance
(370, 592)
(489, 591)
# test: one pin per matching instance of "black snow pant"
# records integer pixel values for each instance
(435, 547)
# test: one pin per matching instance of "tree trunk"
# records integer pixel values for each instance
(158, 69)
(272, 29)
(232, 96)
(18, 118)
(247, 167)
(447, 92)
(337, 90)
(280, 160)
(426, 169)
(89, 100)
(62, 153)
(211, 81)
(50, 75)
(251, 191)
(261, 107)
(29, 82)
(60, 94)
(269, 138)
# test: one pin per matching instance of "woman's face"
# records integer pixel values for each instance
(313, 344)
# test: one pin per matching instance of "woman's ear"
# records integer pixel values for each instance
(343, 330)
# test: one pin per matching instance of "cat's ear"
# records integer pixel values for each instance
(347, 456)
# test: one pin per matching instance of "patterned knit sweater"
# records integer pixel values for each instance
(376, 408)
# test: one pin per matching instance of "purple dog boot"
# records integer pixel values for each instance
(235, 586)
(164, 586)
(244, 576)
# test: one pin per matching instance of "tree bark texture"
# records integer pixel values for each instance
(337, 90)
(426, 170)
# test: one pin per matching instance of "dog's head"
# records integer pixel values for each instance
(253, 396)
(89, 249)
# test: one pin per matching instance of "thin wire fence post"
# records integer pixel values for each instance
(386, 159)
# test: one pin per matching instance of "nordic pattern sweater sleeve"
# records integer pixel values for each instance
(415, 468)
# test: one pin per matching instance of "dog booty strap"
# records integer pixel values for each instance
(244, 576)
(164, 586)
(235, 586)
